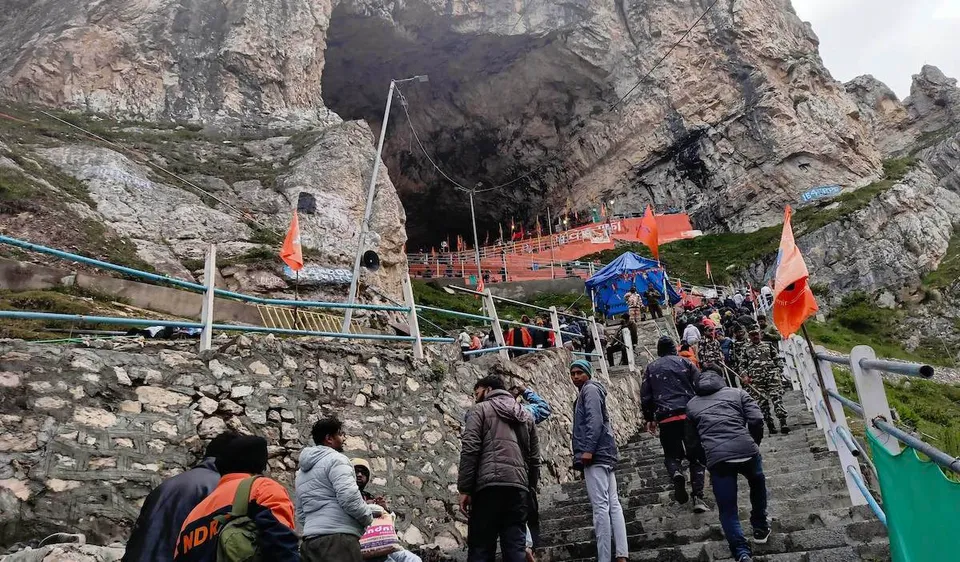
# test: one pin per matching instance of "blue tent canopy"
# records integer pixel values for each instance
(611, 284)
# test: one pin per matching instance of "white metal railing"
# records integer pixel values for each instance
(811, 371)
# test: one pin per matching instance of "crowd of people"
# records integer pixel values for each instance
(708, 402)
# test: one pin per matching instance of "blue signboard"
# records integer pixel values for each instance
(820, 193)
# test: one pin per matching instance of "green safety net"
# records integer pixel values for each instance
(921, 504)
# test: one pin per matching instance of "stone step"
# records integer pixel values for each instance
(874, 551)
(634, 504)
(670, 546)
(685, 527)
(803, 506)
(660, 483)
(656, 478)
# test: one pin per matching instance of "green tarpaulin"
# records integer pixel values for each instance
(921, 504)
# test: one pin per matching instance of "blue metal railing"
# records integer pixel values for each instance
(871, 501)
(850, 404)
(191, 286)
(20, 315)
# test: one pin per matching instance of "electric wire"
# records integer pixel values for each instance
(581, 124)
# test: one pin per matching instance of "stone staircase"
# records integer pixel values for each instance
(808, 505)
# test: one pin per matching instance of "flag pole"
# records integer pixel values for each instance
(296, 297)
(816, 365)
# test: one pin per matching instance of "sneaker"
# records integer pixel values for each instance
(680, 488)
(699, 506)
(745, 558)
(761, 536)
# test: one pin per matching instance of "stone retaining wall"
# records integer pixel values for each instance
(86, 432)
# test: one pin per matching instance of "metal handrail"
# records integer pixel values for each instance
(850, 404)
(871, 501)
(936, 455)
(895, 367)
(21, 315)
(191, 286)
(454, 313)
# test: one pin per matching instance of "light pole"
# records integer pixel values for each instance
(476, 240)
(368, 210)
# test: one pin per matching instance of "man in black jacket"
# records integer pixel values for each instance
(667, 387)
(154, 536)
(728, 424)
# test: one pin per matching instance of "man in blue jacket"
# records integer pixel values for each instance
(595, 453)
(154, 535)
(729, 425)
(667, 387)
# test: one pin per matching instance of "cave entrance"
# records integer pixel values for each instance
(494, 107)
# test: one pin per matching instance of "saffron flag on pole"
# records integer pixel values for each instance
(648, 234)
(793, 301)
(290, 252)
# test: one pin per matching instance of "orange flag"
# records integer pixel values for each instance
(793, 301)
(291, 252)
(648, 233)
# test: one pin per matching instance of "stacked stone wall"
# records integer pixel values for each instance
(86, 432)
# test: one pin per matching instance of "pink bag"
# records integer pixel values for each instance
(380, 538)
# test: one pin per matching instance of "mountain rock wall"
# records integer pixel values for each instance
(85, 433)
(739, 119)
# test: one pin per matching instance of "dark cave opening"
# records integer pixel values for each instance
(494, 108)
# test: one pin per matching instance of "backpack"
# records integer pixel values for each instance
(239, 538)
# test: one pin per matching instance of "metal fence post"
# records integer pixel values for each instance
(803, 371)
(206, 311)
(495, 323)
(555, 324)
(873, 396)
(790, 362)
(412, 321)
(598, 349)
(628, 344)
(847, 458)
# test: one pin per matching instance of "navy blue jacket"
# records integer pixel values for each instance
(154, 536)
(592, 432)
(667, 387)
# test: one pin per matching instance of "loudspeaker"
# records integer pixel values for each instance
(370, 260)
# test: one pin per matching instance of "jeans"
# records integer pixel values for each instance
(403, 556)
(608, 520)
(676, 438)
(497, 512)
(339, 547)
(723, 477)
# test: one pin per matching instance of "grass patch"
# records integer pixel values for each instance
(56, 301)
(948, 274)
(929, 408)
(430, 293)
(730, 253)
(859, 321)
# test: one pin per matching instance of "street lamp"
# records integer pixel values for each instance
(368, 209)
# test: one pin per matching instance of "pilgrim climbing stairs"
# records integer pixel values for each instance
(808, 506)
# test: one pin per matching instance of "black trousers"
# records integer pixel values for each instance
(678, 443)
(613, 348)
(497, 512)
(331, 548)
(533, 519)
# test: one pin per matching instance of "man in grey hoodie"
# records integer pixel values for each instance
(595, 453)
(499, 465)
(329, 505)
(729, 425)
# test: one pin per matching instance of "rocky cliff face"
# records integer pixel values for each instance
(741, 113)
(86, 433)
(929, 114)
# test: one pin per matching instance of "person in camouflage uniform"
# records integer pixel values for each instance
(760, 368)
(769, 332)
(710, 351)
